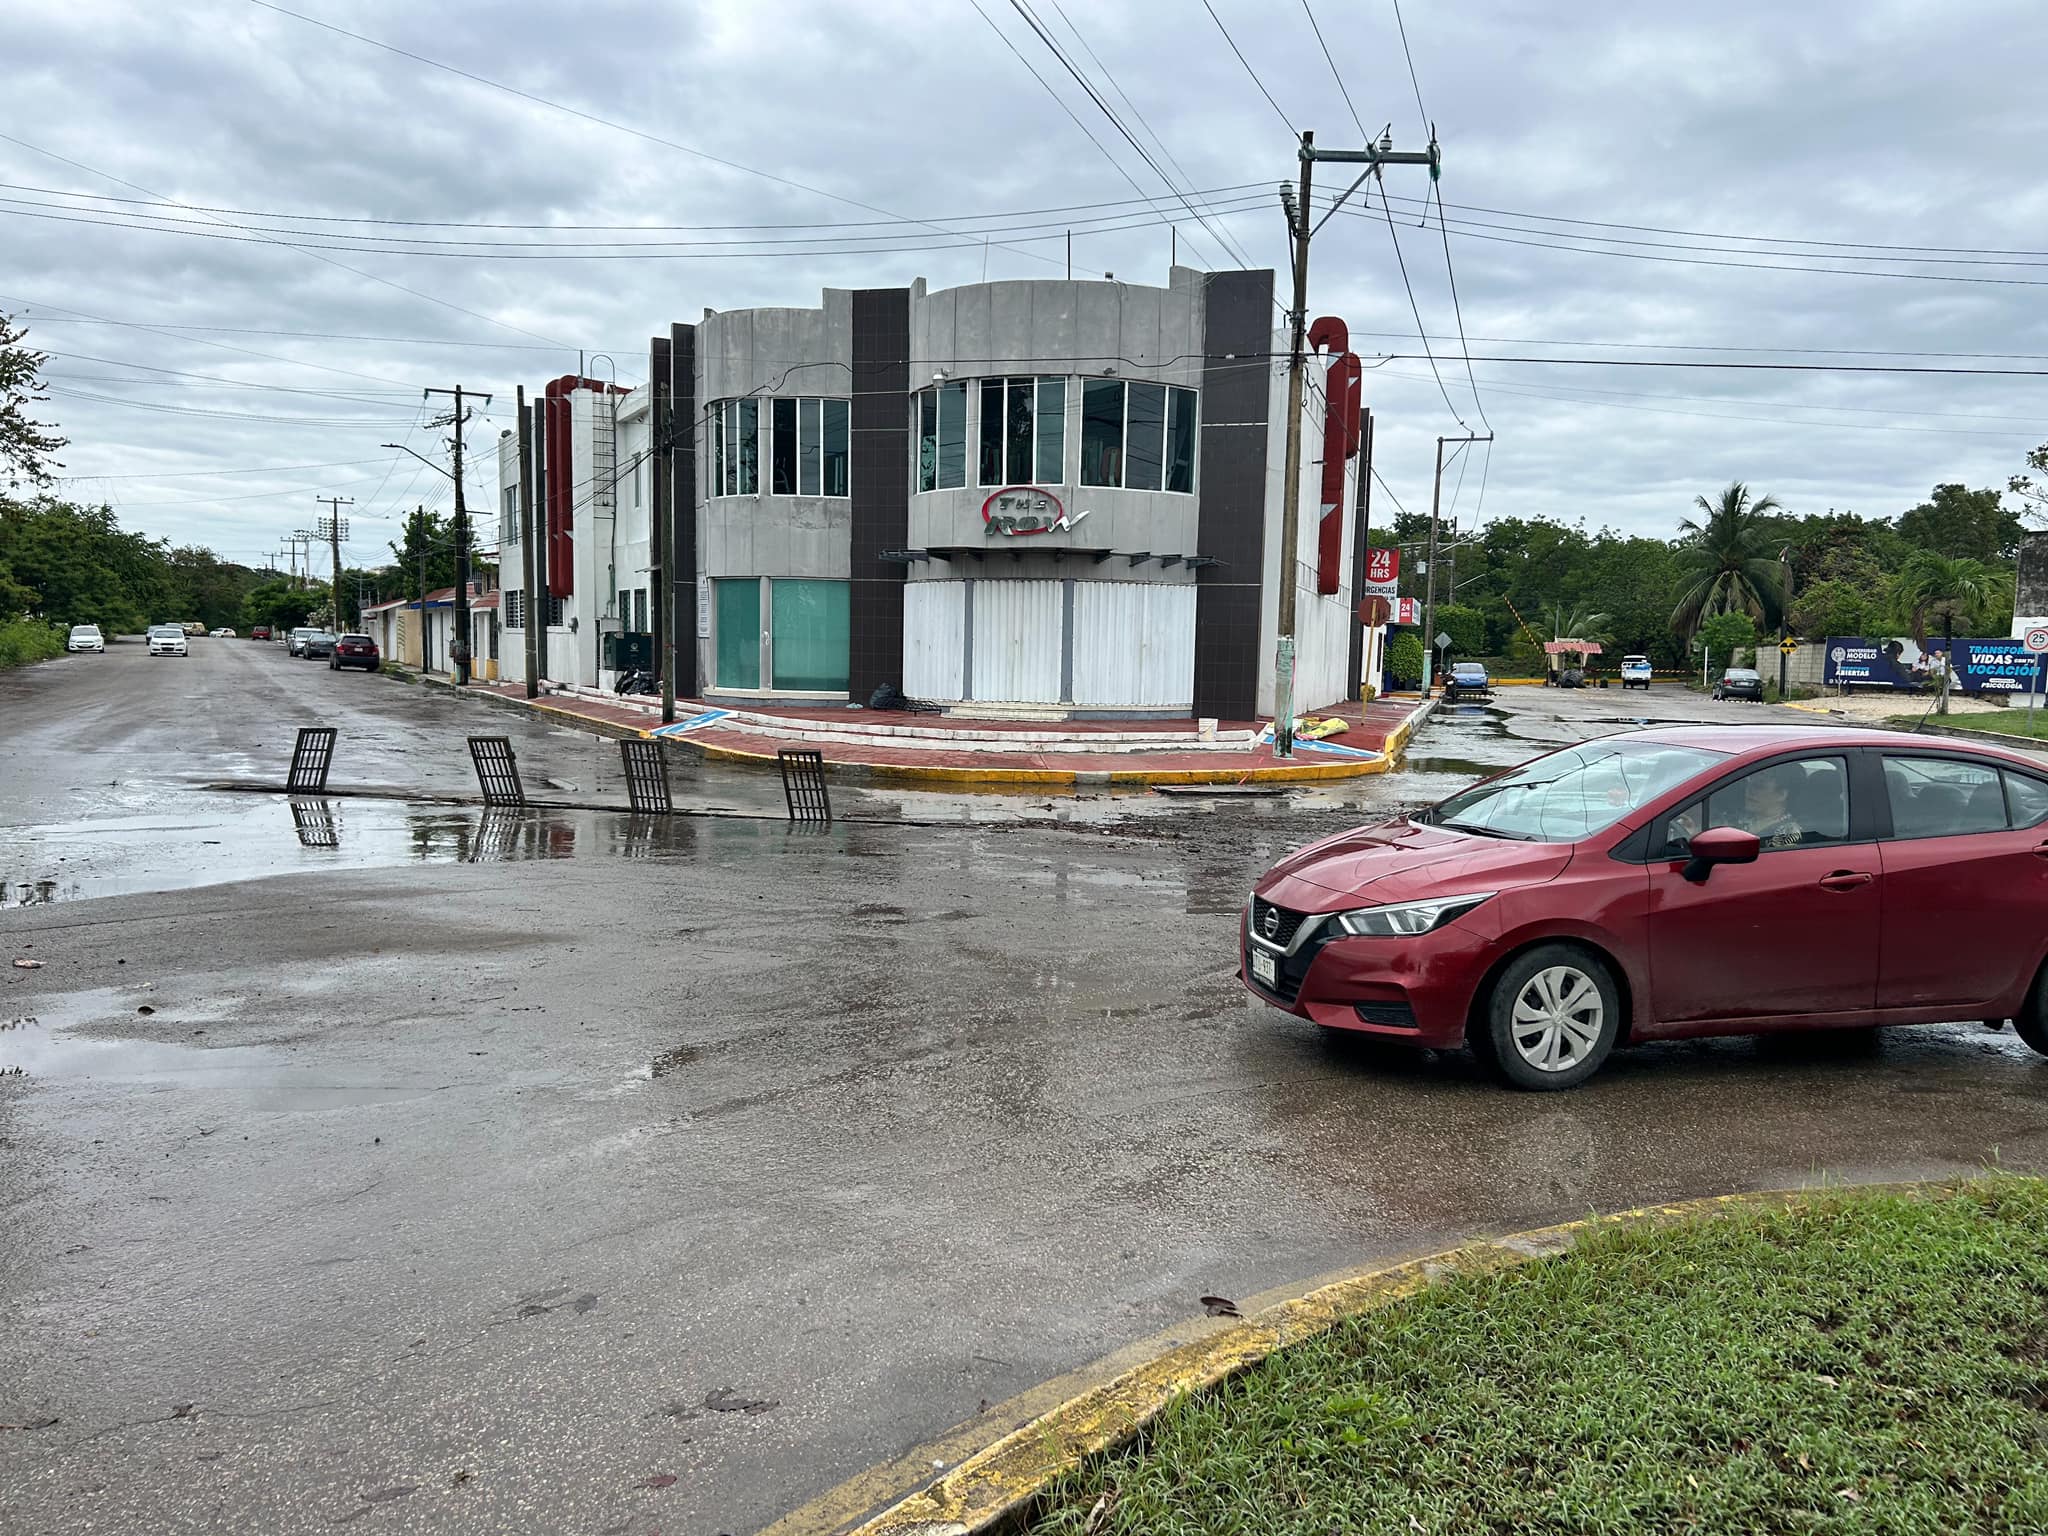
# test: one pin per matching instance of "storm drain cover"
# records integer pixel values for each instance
(497, 771)
(312, 756)
(646, 777)
(803, 784)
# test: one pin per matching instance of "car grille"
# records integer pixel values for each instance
(1285, 923)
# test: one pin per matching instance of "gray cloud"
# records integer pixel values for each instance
(1899, 123)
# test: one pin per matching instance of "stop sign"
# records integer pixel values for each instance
(1374, 611)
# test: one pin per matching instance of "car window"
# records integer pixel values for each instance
(1943, 797)
(2026, 799)
(1803, 803)
(1574, 793)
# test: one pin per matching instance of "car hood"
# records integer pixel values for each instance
(1404, 860)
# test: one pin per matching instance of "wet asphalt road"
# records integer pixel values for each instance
(448, 1196)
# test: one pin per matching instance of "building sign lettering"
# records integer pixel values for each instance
(1016, 510)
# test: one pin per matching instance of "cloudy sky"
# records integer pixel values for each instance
(1832, 185)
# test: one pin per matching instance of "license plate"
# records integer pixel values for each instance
(1264, 971)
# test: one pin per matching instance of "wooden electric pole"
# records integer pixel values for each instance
(458, 648)
(334, 527)
(529, 566)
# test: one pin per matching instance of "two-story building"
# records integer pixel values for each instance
(1045, 496)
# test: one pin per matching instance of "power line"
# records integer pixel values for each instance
(1415, 309)
(1421, 111)
(254, 469)
(1334, 75)
(1464, 347)
(588, 117)
(1247, 63)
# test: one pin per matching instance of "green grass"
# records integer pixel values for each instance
(1864, 1363)
(2007, 722)
(26, 640)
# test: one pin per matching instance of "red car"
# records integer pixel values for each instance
(1667, 883)
(354, 651)
(260, 632)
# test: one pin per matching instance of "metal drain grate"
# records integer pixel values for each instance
(497, 771)
(646, 777)
(803, 784)
(312, 756)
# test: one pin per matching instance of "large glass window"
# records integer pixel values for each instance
(735, 448)
(738, 605)
(838, 446)
(2026, 798)
(1052, 432)
(809, 638)
(1023, 435)
(782, 456)
(1139, 436)
(808, 448)
(508, 514)
(942, 437)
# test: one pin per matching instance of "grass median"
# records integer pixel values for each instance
(2011, 721)
(1856, 1363)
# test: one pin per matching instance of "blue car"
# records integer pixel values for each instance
(1467, 680)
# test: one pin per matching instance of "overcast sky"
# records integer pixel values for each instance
(1703, 135)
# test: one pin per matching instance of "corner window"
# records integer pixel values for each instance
(1943, 797)
(1138, 436)
(735, 448)
(808, 446)
(1023, 437)
(942, 437)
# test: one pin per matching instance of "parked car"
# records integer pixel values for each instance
(260, 632)
(295, 642)
(355, 651)
(316, 644)
(1670, 883)
(223, 634)
(167, 640)
(1467, 680)
(86, 637)
(1741, 683)
(193, 628)
(1635, 672)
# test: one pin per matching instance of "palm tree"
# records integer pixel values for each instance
(1726, 565)
(1935, 588)
(1578, 623)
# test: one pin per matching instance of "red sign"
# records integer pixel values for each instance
(1024, 509)
(1382, 565)
(1375, 611)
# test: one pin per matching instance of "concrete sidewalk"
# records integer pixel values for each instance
(996, 754)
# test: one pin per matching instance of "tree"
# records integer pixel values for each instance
(1725, 634)
(1578, 623)
(2032, 493)
(1727, 563)
(25, 444)
(426, 537)
(280, 604)
(1837, 608)
(1933, 588)
(1962, 524)
(1466, 627)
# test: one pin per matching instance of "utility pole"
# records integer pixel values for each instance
(529, 566)
(458, 649)
(1784, 616)
(335, 528)
(1436, 497)
(420, 515)
(1373, 157)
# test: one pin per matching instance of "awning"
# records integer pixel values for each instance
(1574, 647)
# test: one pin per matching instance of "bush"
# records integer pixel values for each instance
(1404, 658)
(26, 640)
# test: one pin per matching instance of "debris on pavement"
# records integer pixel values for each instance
(1220, 1306)
(23, 963)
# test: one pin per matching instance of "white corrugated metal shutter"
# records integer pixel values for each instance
(933, 639)
(1134, 645)
(1017, 641)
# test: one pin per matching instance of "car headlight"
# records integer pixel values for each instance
(1408, 918)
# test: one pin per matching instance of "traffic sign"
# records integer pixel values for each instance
(1443, 641)
(1375, 611)
(1788, 645)
(2037, 638)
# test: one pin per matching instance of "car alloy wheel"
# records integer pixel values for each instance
(1558, 1019)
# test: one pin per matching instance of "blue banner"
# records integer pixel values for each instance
(1982, 666)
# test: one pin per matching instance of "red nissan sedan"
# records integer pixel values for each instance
(1667, 883)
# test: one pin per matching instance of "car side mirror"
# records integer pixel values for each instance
(1720, 845)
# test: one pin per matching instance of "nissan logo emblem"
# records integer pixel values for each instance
(1270, 923)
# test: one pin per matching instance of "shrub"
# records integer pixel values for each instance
(1404, 658)
(26, 640)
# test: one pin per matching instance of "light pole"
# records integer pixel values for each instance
(1784, 614)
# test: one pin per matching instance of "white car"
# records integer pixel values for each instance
(167, 640)
(223, 634)
(86, 637)
(1635, 672)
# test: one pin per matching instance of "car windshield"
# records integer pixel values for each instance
(1571, 794)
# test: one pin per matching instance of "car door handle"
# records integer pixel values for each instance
(1846, 879)
(2041, 852)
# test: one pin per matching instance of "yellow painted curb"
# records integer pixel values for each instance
(1109, 1404)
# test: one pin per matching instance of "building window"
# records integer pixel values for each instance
(508, 514)
(738, 616)
(735, 448)
(1023, 431)
(555, 619)
(1139, 436)
(808, 446)
(942, 438)
(515, 610)
(640, 611)
(808, 635)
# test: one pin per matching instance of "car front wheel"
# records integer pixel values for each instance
(1550, 1020)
